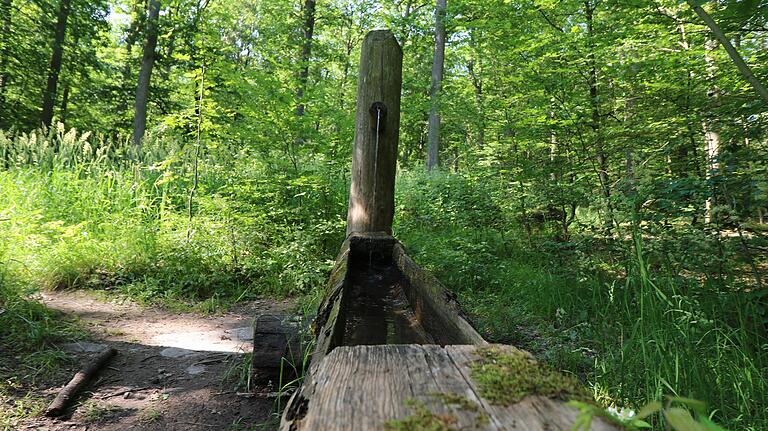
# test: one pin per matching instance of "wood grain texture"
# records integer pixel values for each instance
(436, 308)
(374, 155)
(363, 387)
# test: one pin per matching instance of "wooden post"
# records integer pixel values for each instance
(377, 128)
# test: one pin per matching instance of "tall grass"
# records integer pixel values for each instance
(80, 212)
(639, 319)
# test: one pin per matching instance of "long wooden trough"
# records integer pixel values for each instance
(394, 351)
(392, 347)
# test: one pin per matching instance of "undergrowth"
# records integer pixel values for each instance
(659, 308)
(660, 313)
(85, 217)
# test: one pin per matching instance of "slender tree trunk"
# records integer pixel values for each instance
(64, 104)
(477, 83)
(746, 72)
(711, 135)
(406, 15)
(602, 157)
(49, 96)
(5, 36)
(145, 75)
(306, 52)
(434, 91)
(712, 142)
(138, 18)
(552, 150)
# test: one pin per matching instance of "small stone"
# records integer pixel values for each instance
(83, 347)
(195, 369)
(175, 352)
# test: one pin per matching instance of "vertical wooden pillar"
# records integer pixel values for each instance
(377, 128)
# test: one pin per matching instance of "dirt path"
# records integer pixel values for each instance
(169, 371)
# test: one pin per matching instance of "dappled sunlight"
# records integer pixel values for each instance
(129, 322)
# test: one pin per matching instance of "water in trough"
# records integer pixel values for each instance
(377, 309)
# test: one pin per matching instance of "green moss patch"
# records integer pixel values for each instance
(422, 419)
(506, 378)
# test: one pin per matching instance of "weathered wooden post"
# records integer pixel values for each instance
(377, 128)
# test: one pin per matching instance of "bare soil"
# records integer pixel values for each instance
(169, 373)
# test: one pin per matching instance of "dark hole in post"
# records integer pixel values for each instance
(378, 111)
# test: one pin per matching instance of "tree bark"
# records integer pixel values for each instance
(5, 36)
(145, 74)
(602, 157)
(377, 132)
(49, 96)
(434, 91)
(306, 53)
(477, 83)
(746, 72)
(138, 10)
(711, 135)
(64, 104)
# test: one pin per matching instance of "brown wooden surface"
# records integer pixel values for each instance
(363, 387)
(436, 308)
(374, 155)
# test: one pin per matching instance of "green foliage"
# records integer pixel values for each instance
(636, 319)
(568, 215)
(29, 331)
(86, 219)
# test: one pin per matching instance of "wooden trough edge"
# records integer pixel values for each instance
(420, 387)
(438, 307)
(427, 296)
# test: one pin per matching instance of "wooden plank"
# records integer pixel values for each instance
(363, 387)
(449, 380)
(359, 388)
(377, 126)
(434, 305)
(534, 413)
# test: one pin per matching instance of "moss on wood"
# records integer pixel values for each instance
(422, 419)
(507, 377)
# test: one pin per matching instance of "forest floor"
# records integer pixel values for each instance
(170, 372)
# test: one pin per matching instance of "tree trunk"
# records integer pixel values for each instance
(746, 72)
(5, 36)
(712, 142)
(602, 157)
(145, 74)
(477, 83)
(306, 53)
(64, 104)
(377, 132)
(138, 10)
(49, 96)
(434, 91)
(711, 135)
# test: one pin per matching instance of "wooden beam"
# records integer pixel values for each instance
(368, 387)
(377, 128)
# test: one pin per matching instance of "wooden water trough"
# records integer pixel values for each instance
(393, 349)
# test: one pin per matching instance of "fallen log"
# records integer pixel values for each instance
(68, 393)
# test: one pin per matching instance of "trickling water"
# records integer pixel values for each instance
(376, 155)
